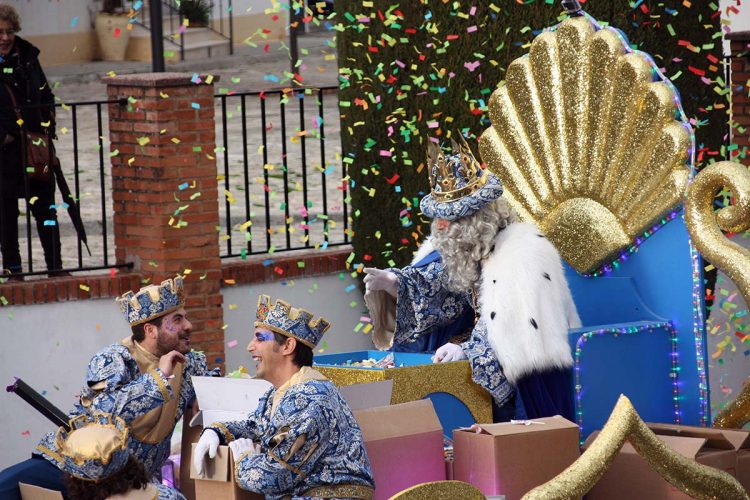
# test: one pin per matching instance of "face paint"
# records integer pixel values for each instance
(264, 336)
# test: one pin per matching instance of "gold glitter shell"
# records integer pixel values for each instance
(694, 479)
(586, 143)
(440, 490)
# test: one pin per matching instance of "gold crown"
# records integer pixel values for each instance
(454, 176)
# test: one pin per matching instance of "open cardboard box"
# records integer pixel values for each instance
(220, 482)
(220, 399)
(31, 492)
(630, 476)
(511, 458)
(405, 445)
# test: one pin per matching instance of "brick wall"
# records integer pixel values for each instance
(740, 48)
(165, 193)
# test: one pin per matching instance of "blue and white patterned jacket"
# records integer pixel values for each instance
(309, 440)
(114, 384)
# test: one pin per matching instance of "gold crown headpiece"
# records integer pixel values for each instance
(453, 176)
(282, 318)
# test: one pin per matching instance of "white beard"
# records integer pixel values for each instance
(516, 295)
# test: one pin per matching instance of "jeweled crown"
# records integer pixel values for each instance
(282, 318)
(453, 176)
(95, 448)
(152, 301)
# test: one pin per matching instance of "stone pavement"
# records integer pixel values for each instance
(249, 69)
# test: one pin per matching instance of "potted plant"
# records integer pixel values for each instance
(197, 12)
(111, 24)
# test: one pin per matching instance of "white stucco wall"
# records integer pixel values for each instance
(49, 17)
(323, 296)
(49, 346)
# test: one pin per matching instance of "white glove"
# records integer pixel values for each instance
(449, 352)
(378, 279)
(207, 444)
(243, 445)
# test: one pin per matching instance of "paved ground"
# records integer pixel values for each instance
(249, 69)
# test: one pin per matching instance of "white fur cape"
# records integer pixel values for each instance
(526, 304)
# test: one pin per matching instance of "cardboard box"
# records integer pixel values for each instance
(510, 459)
(459, 402)
(31, 492)
(630, 475)
(405, 445)
(220, 481)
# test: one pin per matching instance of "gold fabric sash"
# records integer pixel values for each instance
(157, 424)
(306, 373)
(341, 491)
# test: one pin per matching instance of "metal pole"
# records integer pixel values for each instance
(295, 24)
(157, 36)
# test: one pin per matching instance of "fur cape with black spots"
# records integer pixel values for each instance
(526, 303)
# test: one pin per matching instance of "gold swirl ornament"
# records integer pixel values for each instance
(586, 143)
(692, 478)
(705, 225)
(440, 490)
(737, 413)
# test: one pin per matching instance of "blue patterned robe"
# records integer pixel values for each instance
(311, 445)
(115, 384)
(425, 311)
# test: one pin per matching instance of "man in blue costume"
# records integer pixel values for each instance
(504, 276)
(145, 380)
(96, 460)
(302, 440)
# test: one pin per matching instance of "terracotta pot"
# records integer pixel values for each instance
(113, 33)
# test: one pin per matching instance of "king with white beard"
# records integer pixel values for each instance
(479, 258)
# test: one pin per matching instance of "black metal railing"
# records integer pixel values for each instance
(173, 22)
(80, 146)
(288, 173)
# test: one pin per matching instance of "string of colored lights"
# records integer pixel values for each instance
(699, 327)
(698, 315)
(630, 330)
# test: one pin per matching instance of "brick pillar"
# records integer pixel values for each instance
(740, 48)
(164, 191)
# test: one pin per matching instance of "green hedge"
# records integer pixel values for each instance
(407, 66)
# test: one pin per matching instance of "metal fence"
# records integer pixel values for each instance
(282, 182)
(279, 158)
(81, 146)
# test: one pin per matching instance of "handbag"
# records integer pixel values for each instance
(38, 152)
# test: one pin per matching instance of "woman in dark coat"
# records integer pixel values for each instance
(23, 76)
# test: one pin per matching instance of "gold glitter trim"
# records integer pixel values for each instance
(737, 413)
(160, 382)
(585, 143)
(412, 383)
(341, 491)
(705, 225)
(624, 423)
(440, 490)
(228, 436)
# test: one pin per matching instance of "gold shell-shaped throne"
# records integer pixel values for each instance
(586, 141)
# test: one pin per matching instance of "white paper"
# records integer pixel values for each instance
(224, 399)
(369, 395)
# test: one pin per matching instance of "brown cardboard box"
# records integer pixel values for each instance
(630, 476)
(511, 459)
(220, 481)
(31, 492)
(739, 439)
(743, 468)
(404, 444)
(190, 435)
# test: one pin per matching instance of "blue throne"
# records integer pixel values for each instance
(592, 145)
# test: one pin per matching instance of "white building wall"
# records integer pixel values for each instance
(49, 346)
